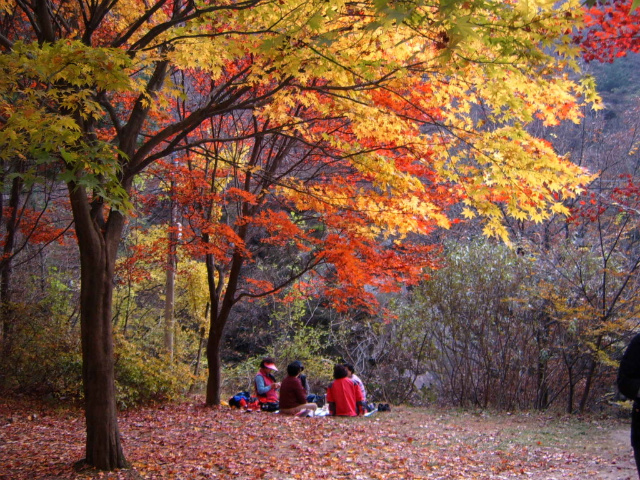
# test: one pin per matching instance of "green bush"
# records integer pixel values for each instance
(42, 354)
(143, 379)
(291, 339)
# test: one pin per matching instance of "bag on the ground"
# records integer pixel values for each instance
(270, 406)
(317, 399)
(241, 400)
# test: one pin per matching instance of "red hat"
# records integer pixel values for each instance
(270, 366)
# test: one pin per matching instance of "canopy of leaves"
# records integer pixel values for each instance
(611, 30)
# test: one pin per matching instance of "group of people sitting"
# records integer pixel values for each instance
(346, 395)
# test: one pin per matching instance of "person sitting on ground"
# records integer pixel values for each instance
(293, 398)
(265, 382)
(302, 377)
(343, 395)
(352, 375)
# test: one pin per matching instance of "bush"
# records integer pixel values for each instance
(143, 379)
(42, 355)
(290, 339)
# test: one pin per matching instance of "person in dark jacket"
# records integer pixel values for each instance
(629, 386)
(302, 376)
(293, 397)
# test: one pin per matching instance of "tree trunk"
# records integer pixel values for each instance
(542, 340)
(220, 312)
(214, 380)
(169, 304)
(591, 373)
(571, 391)
(6, 267)
(97, 243)
(196, 370)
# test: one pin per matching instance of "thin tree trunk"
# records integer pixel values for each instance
(6, 267)
(591, 373)
(170, 285)
(542, 340)
(196, 370)
(571, 390)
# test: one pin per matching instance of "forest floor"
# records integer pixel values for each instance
(190, 441)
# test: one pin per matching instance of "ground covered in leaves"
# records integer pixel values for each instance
(190, 441)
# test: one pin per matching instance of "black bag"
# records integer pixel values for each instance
(317, 399)
(270, 406)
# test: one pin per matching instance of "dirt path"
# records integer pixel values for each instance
(622, 465)
(554, 448)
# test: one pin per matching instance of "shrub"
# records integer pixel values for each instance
(142, 378)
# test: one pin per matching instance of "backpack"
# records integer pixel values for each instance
(241, 400)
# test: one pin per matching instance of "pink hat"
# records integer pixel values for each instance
(270, 366)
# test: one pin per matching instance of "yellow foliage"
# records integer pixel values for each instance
(451, 85)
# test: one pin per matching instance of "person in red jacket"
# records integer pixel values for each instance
(265, 383)
(293, 397)
(344, 395)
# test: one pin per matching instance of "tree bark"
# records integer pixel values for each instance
(97, 244)
(6, 267)
(214, 380)
(591, 373)
(169, 303)
(217, 322)
(220, 311)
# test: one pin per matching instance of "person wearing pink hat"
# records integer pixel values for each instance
(266, 385)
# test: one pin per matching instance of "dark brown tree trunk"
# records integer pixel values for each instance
(591, 373)
(571, 391)
(6, 267)
(542, 339)
(97, 243)
(214, 380)
(196, 370)
(220, 311)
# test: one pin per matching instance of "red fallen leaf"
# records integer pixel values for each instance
(183, 441)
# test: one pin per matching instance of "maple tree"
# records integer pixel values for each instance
(259, 213)
(415, 104)
(611, 30)
(376, 125)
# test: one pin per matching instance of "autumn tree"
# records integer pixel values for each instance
(590, 276)
(611, 30)
(372, 144)
(414, 103)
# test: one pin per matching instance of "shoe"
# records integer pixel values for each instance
(380, 407)
(387, 408)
